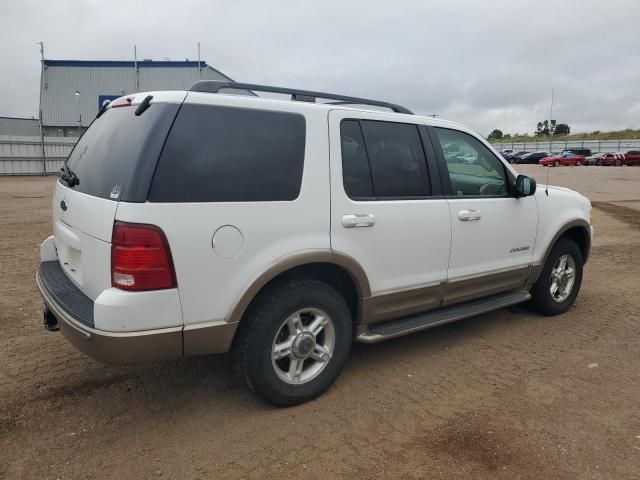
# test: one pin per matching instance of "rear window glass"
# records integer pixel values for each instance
(225, 154)
(115, 145)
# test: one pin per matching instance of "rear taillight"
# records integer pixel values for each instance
(140, 258)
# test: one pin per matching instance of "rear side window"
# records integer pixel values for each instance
(224, 154)
(356, 173)
(383, 160)
(118, 144)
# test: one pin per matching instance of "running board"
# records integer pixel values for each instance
(421, 321)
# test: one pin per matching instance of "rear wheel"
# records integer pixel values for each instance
(294, 341)
(618, 162)
(560, 280)
(598, 163)
(578, 162)
(556, 163)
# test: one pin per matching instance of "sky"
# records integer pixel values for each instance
(487, 64)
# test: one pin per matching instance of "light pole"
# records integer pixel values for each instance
(79, 112)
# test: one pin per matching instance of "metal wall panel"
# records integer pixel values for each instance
(21, 155)
(63, 108)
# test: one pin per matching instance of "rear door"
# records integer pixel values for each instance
(113, 160)
(387, 211)
(492, 232)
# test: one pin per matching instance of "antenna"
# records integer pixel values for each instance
(546, 188)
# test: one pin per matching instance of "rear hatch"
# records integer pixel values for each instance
(113, 161)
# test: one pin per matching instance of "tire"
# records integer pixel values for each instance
(269, 322)
(618, 163)
(598, 163)
(578, 163)
(556, 163)
(542, 299)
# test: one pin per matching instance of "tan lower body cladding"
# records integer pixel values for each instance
(389, 306)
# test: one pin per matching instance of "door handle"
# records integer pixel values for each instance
(469, 215)
(358, 220)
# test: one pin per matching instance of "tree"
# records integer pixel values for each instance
(562, 129)
(496, 135)
(546, 129)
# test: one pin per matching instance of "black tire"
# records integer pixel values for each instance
(578, 163)
(556, 163)
(618, 163)
(263, 321)
(541, 298)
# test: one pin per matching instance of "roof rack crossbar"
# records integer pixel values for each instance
(214, 86)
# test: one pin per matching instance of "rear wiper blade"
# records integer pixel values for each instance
(103, 108)
(69, 176)
(144, 105)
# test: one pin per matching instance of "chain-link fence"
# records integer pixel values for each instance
(596, 146)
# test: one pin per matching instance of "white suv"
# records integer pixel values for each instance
(189, 223)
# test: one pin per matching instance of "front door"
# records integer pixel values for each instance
(387, 212)
(492, 232)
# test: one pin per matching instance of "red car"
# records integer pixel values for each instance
(632, 157)
(569, 159)
(611, 159)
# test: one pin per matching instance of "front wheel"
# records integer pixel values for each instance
(556, 163)
(294, 341)
(578, 163)
(618, 163)
(560, 280)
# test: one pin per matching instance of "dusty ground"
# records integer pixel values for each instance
(503, 395)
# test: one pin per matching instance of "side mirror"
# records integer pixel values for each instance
(525, 186)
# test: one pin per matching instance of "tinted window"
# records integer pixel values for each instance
(223, 154)
(473, 169)
(398, 165)
(117, 144)
(356, 174)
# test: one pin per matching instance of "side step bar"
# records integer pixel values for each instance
(421, 321)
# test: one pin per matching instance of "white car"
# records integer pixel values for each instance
(198, 222)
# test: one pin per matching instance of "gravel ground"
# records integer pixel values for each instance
(504, 395)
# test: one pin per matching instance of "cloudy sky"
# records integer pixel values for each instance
(488, 64)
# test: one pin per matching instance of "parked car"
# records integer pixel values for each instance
(632, 157)
(195, 222)
(616, 159)
(512, 158)
(506, 151)
(594, 159)
(583, 152)
(533, 157)
(566, 159)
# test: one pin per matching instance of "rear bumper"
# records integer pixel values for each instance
(126, 347)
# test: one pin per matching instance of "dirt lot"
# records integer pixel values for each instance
(504, 395)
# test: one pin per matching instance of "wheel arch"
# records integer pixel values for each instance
(577, 230)
(340, 271)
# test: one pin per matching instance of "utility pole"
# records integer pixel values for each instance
(135, 67)
(199, 66)
(44, 158)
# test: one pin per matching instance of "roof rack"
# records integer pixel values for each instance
(214, 86)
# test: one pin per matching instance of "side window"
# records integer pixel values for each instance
(473, 169)
(224, 154)
(396, 156)
(356, 173)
